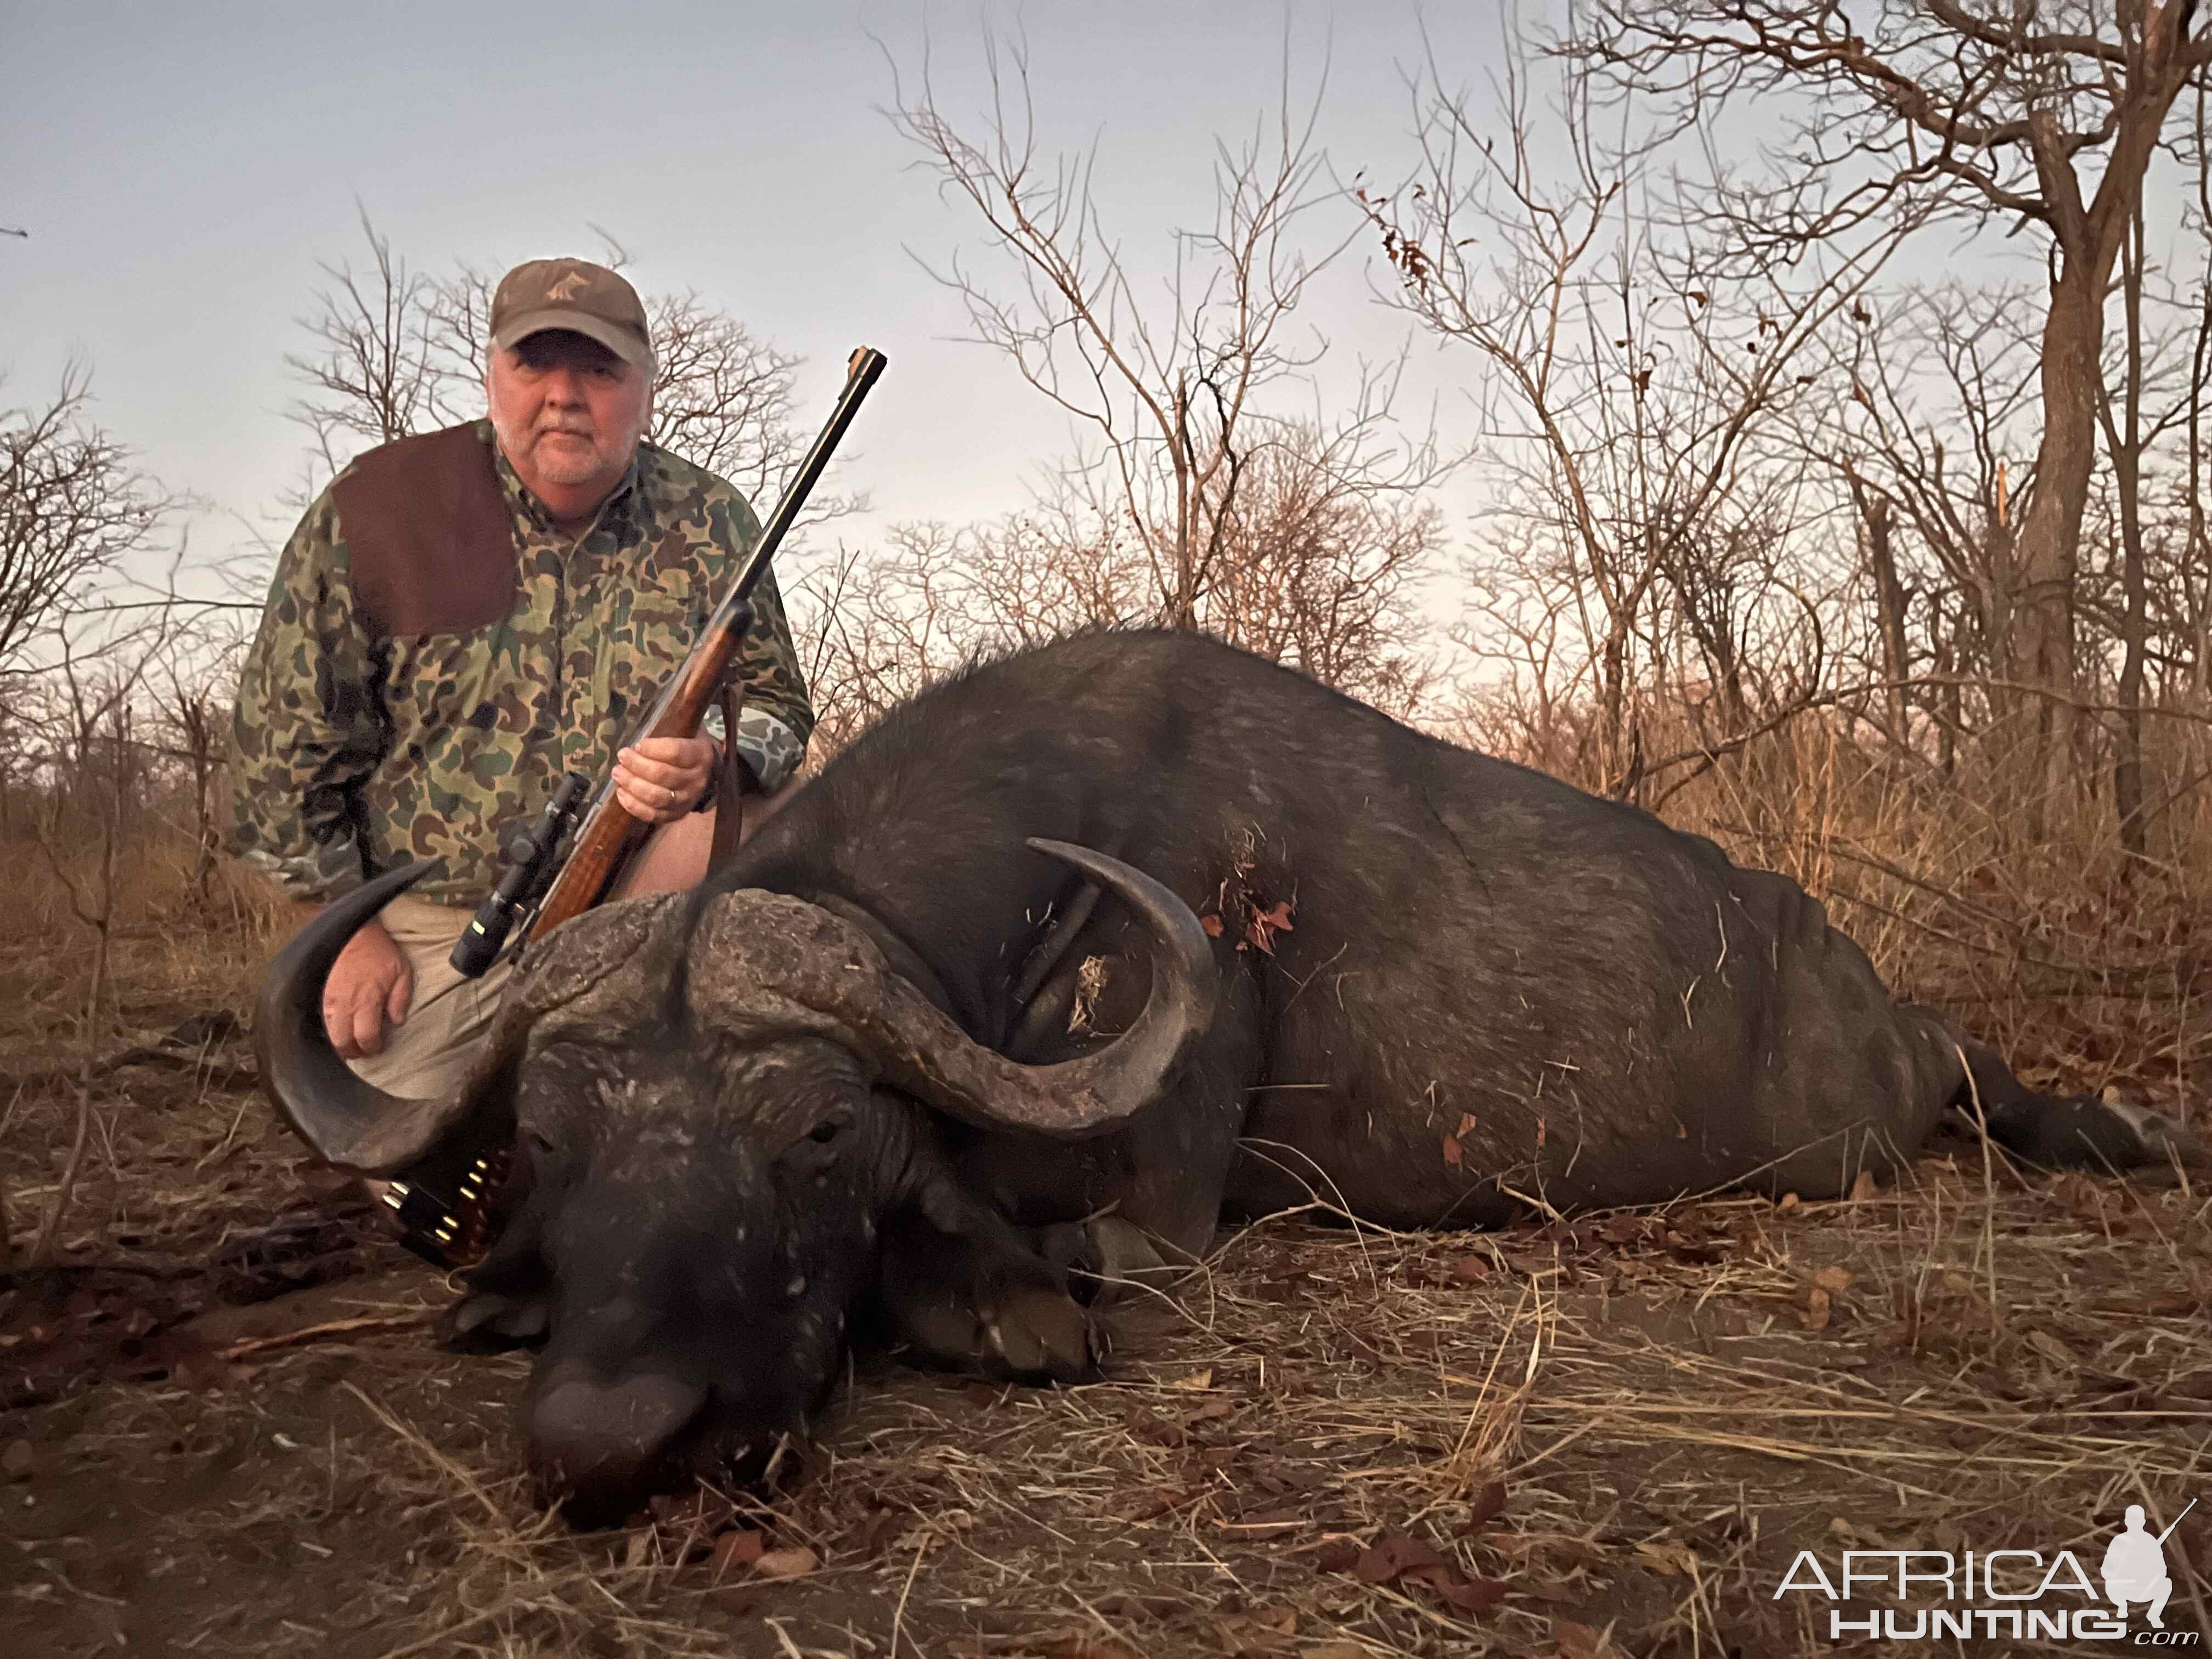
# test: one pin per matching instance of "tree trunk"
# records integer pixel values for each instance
(2124, 437)
(1876, 513)
(2048, 552)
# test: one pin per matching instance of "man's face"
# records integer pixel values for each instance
(568, 413)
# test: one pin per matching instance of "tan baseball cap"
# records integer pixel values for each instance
(575, 294)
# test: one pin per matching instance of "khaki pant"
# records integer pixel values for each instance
(427, 1055)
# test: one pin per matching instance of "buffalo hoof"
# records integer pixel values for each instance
(2083, 1131)
(2161, 1140)
(1007, 1317)
(1111, 1260)
(1025, 1334)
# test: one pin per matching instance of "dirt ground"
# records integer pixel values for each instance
(226, 1426)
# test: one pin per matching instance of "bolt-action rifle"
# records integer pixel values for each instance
(541, 889)
(442, 1201)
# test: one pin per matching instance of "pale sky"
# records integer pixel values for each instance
(183, 169)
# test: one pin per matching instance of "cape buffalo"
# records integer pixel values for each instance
(1067, 956)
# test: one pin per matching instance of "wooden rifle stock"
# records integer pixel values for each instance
(609, 835)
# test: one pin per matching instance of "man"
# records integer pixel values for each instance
(463, 616)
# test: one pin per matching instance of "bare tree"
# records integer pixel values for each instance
(2196, 587)
(1313, 572)
(1633, 390)
(385, 364)
(1941, 396)
(2121, 413)
(1175, 396)
(1326, 575)
(96, 767)
(721, 398)
(198, 722)
(399, 351)
(2041, 112)
(73, 509)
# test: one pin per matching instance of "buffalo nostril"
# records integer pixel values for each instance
(598, 1441)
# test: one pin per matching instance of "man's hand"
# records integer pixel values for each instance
(658, 780)
(367, 993)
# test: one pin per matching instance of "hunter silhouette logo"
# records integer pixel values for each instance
(2135, 1566)
(1920, 1596)
(568, 287)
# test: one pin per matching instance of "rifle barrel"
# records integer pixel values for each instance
(607, 835)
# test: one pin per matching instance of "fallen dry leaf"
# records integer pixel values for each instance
(1580, 1641)
(190, 1364)
(734, 1550)
(1453, 1155)
(1817, 1310)
(1471, 1269)
(1466, 1594)
(1835, 1280)
(1266, 924)
(1338, 1555)
(1395, 1557)
(793, 1563)
(640, 1547)
(1058, 1644)
(873, 1535)
(1202, 1378)
(1279, 1621)
(1489, 1503)
(1864, 1188)
(1622, 1229)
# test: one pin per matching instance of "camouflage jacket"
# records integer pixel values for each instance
(357, 747)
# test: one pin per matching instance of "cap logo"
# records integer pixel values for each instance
(568, 287)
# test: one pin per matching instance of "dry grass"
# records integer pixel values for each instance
(1674, 1402)
(1668, 1408)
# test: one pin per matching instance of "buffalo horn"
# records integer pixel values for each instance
(773, 964)
(348, 1122)
(601, 960)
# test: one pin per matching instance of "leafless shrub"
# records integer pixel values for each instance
(1303, 538)
(2041, 116)
(73, 509)
(400, 351)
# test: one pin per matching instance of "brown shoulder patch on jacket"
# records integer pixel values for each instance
(429, 535)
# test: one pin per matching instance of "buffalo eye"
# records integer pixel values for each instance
(824, 1132)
